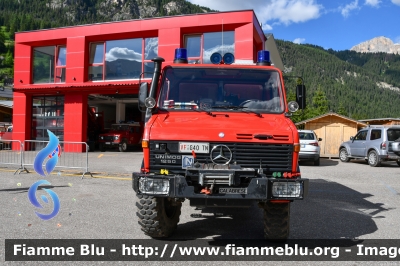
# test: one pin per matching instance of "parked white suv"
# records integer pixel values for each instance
(309, 147)
(374, 144)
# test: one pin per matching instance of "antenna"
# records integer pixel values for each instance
(222, 48)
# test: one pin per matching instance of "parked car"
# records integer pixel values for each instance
(121, 136)
(375, 144)
(309, 147)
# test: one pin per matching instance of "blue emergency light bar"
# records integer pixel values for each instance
(263, 58)
(181, 56)
(229, 58)
(216, 58)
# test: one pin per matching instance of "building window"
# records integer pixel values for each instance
(49, 64)
(122, 59)
(201, 47)
(47, 114)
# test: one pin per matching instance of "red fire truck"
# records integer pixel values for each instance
(121, 136)
(219, 135)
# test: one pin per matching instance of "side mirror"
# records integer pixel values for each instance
(319, 139)
(351, 138)
(301, 96)
(143, 90)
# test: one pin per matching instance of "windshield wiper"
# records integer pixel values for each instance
(202, 110)
(252, 112)
(234, 107)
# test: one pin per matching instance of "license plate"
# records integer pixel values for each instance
(197, 147)
(233, 190)
(303, 145)
(108, 143)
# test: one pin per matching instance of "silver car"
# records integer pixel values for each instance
(309, 147)
(374, 144)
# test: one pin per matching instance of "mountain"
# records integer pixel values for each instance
(378, 44)
(22, 15)
(362, 85)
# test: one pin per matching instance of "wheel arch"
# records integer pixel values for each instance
(372, 149)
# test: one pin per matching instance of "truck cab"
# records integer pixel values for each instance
(121, 136)
(219, 135)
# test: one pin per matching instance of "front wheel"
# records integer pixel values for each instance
(158, 217)
(373, 159)
(123, 147)
(276, 220)
(343, 155)
(102, 148)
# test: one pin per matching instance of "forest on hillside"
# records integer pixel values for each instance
(348, 80)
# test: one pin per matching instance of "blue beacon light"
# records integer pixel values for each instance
(216, 58)
(181, 56)
(263, 58)
(229, 58)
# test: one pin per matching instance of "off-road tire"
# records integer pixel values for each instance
(123, 146)
(343, 155)
(373, 159)
(158, 217)
(316, 162)
(102, 148)
(276, 221)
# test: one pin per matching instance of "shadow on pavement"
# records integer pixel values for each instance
(331, 211)
(323, 162)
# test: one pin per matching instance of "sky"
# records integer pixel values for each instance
(337, 25)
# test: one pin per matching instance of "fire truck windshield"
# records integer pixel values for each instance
(221, 89)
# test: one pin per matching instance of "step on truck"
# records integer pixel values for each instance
(219, 135)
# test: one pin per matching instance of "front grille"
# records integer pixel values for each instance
(108, 138)
(273, 157)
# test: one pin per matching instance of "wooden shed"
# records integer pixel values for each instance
(333, 129)
(382, 121)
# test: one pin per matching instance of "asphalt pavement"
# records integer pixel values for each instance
(345, 200)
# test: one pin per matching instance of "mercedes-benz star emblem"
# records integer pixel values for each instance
(221, 154)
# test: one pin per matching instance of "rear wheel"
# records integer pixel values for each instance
(316, 162)
(276, 220)
(373, 159)
(343, 155)
(158, 217)
(398, 162)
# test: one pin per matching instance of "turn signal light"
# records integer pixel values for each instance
(296, 147)
(145, 143)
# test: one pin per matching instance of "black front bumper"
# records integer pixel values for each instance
(257, 189)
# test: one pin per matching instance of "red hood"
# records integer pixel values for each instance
(193, 126)
(113, 132)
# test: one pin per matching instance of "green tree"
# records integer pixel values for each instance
(319, 103)
(9, 60)
(2, 43)
(342, 110)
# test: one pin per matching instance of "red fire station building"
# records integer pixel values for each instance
(62, 75)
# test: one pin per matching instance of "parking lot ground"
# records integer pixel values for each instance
(345, 200)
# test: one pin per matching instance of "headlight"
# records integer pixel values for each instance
(286, 189)
(153, 186)
(116, 137)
